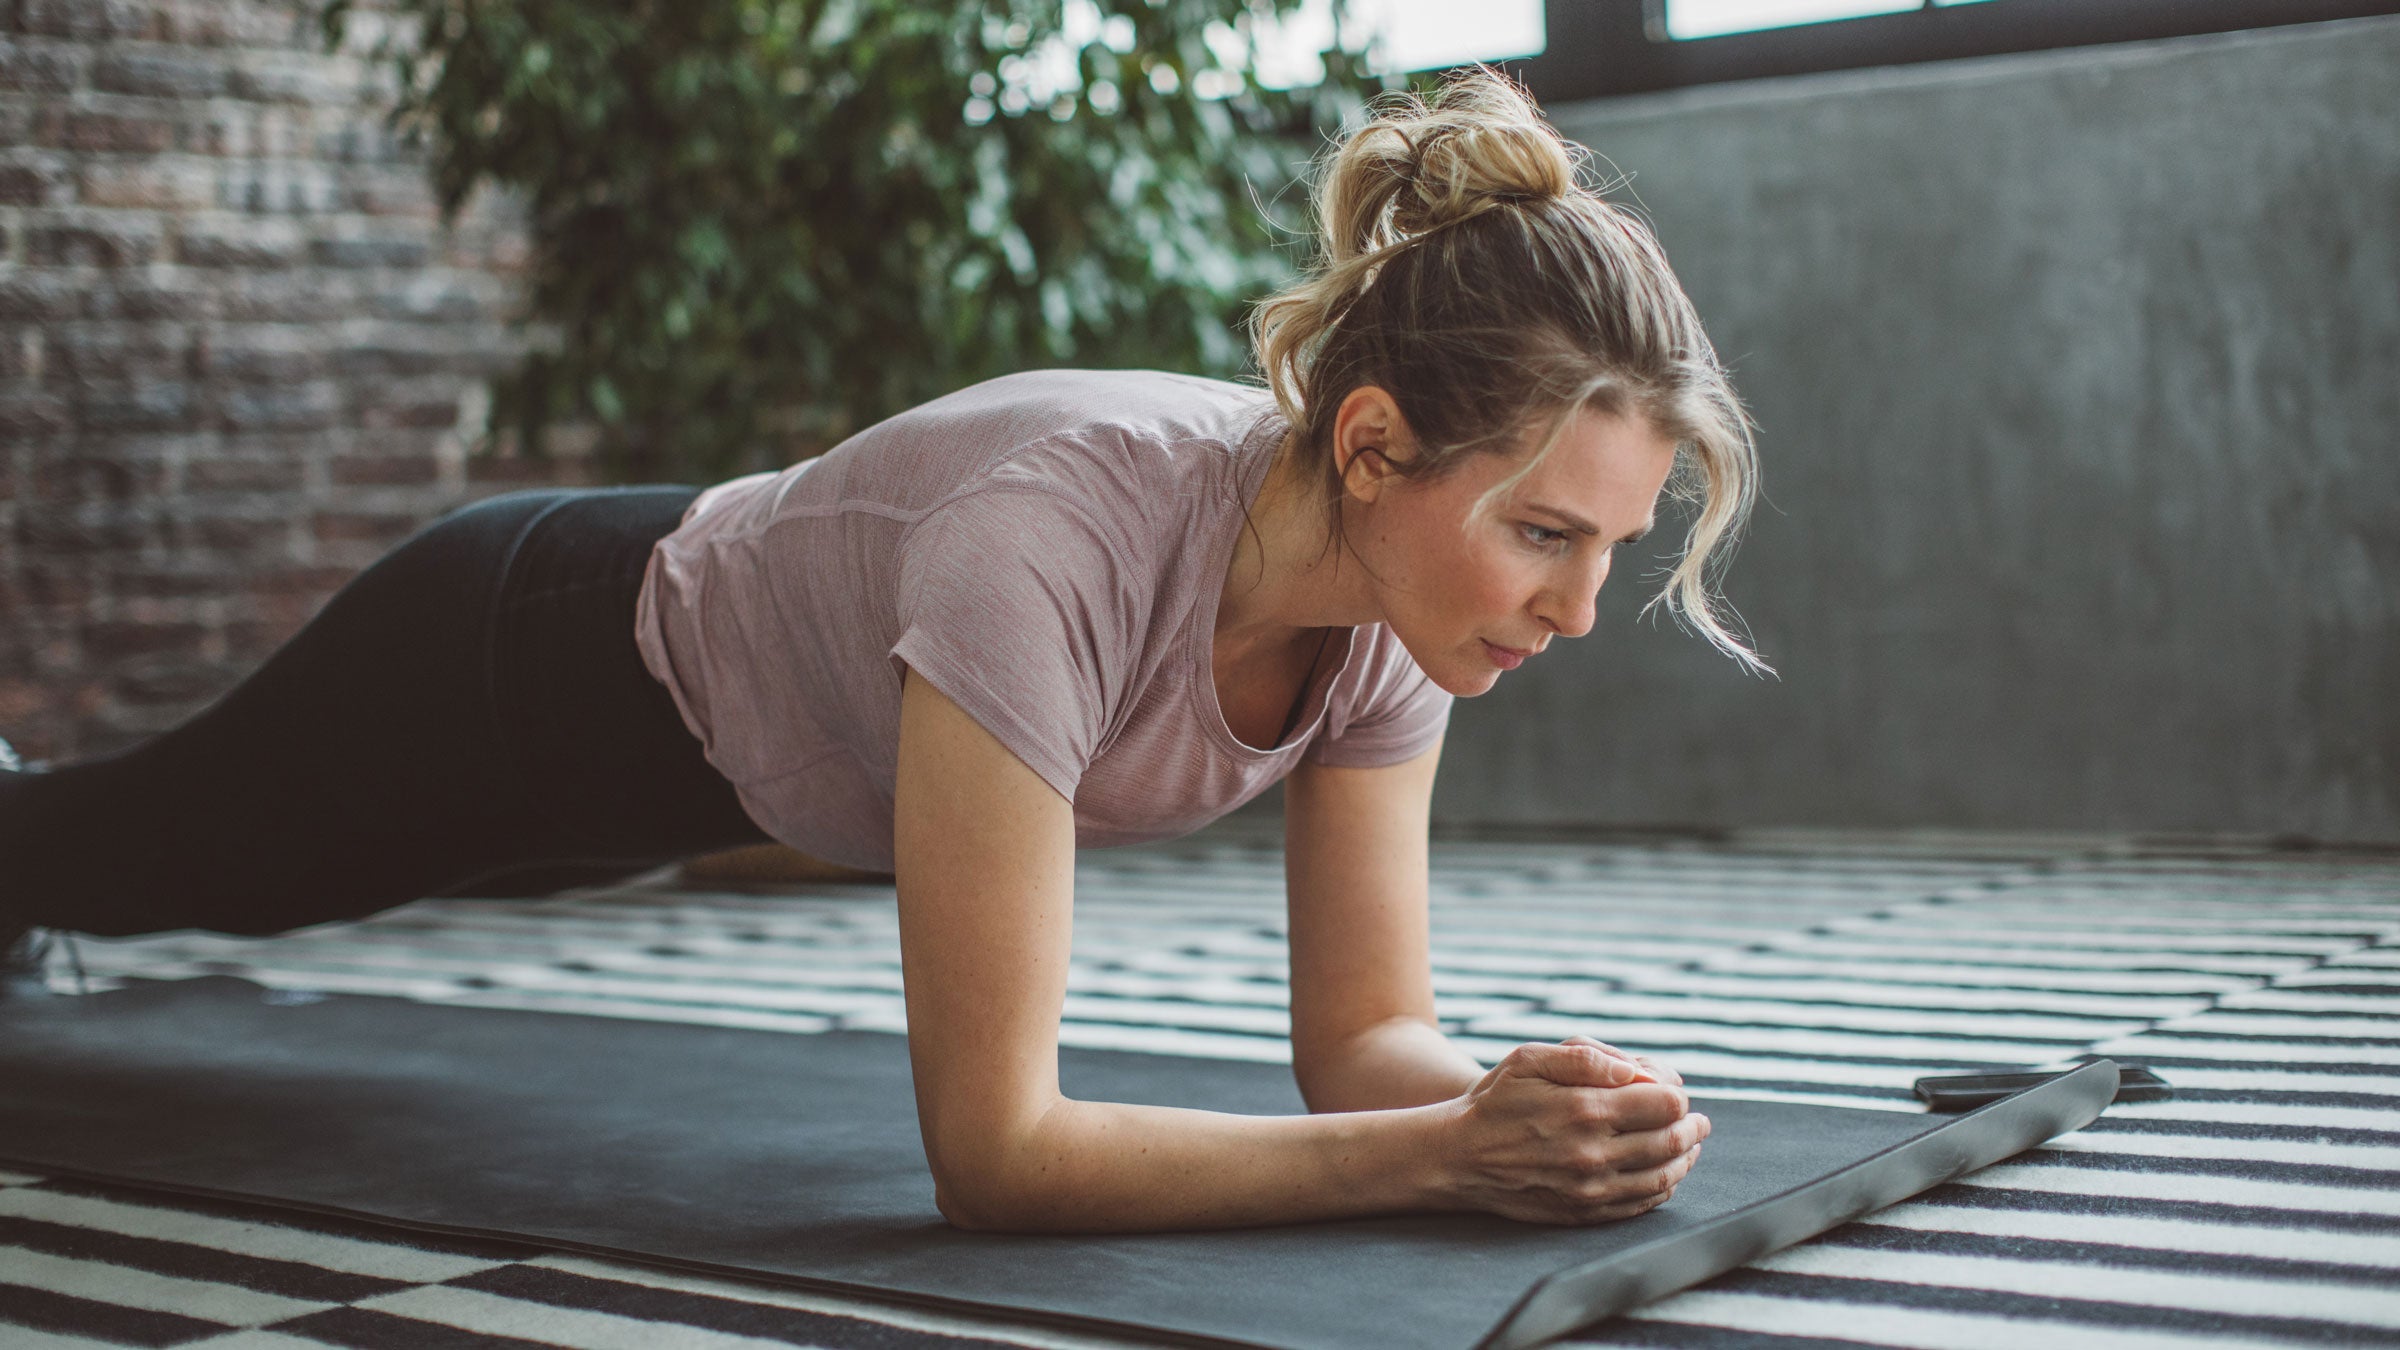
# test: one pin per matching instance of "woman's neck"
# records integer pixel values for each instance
(1285, 580)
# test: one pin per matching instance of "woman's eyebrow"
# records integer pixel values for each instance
(1588, 527)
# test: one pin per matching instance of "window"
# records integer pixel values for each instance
(1596, 48)
(1399, 36)
(1687, 19)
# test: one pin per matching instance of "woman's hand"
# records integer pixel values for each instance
(1572, 1133)
(1658, 1073)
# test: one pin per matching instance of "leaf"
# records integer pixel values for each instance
(758, 221)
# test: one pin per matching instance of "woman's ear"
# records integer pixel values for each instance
(1366, 473)
(1369, 437)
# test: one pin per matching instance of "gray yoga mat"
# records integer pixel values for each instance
(796, 1158)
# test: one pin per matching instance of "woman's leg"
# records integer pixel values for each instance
(367, 763)
(596, 738)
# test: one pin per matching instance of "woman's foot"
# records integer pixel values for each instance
(24, 964)
(24, 950)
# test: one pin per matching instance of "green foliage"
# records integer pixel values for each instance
(760, 224)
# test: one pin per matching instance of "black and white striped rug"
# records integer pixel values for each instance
(2260, 1206)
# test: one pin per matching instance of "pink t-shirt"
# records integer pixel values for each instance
(1048, 550)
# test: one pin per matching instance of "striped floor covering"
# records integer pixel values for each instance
(2260, 1207)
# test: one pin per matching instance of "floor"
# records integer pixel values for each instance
(2260, 1206)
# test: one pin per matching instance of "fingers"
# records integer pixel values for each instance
(1644, 1106)
(1662, 1179)
(1619, 1213)
(1655, 1148)
(1573, 1065)
(1633, 1102)
(1659, 1071)
(1641, 1192)
(1618, 1194)
(1656, 1071)
(1613, 1053)
(1562, 1133)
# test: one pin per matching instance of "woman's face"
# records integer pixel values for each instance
(1456, 587)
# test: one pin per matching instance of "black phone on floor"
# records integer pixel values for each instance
(1966, 1091)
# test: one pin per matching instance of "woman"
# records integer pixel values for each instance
(1056, 609)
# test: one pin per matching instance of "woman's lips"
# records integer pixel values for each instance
(1503, 657)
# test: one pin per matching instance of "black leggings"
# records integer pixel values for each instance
(468, 714)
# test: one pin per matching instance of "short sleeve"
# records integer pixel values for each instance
(1015, 604)
(1398, 715)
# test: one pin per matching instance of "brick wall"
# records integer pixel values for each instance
(239, 353)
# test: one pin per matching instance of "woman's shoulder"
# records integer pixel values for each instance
(1134, 448)
(1135, 445)
(1160, 406)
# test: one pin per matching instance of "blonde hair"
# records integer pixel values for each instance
(1470, 275)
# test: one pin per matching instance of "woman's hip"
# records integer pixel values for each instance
(598, 740)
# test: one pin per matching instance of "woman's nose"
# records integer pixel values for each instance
(1572, 619)
(1571, 611)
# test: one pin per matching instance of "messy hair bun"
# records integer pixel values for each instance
(1420, 167)
(1467, 270)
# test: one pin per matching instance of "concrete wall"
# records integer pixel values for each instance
(2079, 378)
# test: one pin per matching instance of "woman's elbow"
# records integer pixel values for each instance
(975, 1203)
(997, 1171)
(958, 1203)
(953, 1210)
(975, 1181)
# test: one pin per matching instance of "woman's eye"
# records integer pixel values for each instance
(1545, 538)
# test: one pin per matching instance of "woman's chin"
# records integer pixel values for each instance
(1470, 683)
(1465, 672)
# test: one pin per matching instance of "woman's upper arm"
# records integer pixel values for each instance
(1356, 880)
(985, 866)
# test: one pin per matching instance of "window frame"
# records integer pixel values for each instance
(1604, 48)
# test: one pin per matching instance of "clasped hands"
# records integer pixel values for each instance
(1573, 1132)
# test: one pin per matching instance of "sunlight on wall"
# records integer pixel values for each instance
(1400, 35)
(1708, 18)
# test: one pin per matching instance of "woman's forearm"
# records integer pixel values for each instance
(1397, 1063)
(1111, 1167)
